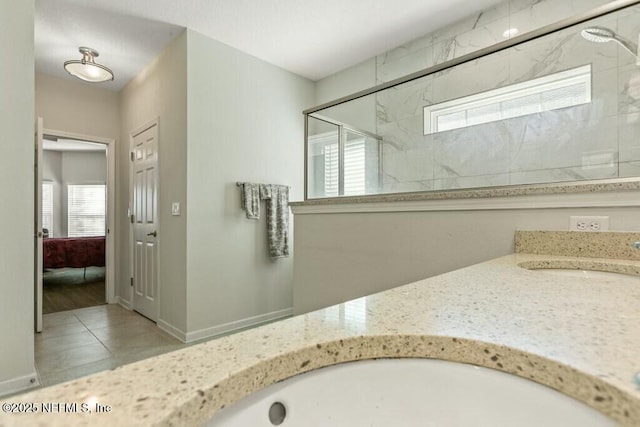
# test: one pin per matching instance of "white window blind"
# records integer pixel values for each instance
(331, 170)
(47, 207)
(86, 210)
(354, 168)
(559, 90)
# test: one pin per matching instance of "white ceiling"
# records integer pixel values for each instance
(310, 38)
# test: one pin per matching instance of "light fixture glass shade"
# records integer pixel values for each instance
(87, 69)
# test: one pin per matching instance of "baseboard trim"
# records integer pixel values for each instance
(213, 331)
(15, 385)
(172, 330)
(123, 302)
(237, 324)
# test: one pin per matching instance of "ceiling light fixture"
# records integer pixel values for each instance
(87, 69)
(510, 33)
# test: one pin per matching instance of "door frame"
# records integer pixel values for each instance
(153, 122)
(110, 259)
(37, 222)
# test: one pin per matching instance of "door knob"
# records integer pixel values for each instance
(154, 233)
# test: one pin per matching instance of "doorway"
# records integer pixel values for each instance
(76, 209)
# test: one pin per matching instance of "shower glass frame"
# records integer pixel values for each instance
(315, 112)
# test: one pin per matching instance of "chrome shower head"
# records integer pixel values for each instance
(598, 34)
(604, 35)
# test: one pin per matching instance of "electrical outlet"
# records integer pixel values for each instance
(588, 223)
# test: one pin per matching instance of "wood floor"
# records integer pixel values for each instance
(68, 289)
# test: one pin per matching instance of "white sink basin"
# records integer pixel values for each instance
(408, 392)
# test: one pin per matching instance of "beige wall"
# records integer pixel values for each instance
(351, 80)
(84, 167)
(344, 256)
(77, 107)
(245, 124)
(16, 193)
(361, 113)
(159, 92)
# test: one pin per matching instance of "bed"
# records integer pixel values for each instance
(76, 252)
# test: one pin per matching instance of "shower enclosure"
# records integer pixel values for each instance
(556, 105)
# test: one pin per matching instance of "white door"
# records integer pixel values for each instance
(145, 224)
(38, 226)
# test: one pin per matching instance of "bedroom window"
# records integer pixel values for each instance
(47, 207)
(86, 210)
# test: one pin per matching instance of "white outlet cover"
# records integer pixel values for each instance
(589, 223)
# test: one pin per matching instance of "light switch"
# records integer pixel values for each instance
(175, 208)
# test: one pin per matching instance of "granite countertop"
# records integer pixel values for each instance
(617, 184)
(579, 337)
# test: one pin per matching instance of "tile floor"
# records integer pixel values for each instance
(80, 342)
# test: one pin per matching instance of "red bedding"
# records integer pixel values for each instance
(76, 252)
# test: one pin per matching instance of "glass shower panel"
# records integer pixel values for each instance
(322, 161)
(344, 152)
(557, 108)
(361, 163)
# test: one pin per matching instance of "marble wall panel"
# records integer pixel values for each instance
(473, 22)
(472, 151)
(404, 101)
(583, 142)
(629, 89)
(554, 140)
(474, 77)
(409, 165)
(563, 174)
(387, 70)
(629, 137)
(562, 51)
(405, 134)
(604, 95)
(529, 15)
(629, 169)
(406, 49)
(470, 41)
(628, 29)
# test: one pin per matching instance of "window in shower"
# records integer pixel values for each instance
(554, 91)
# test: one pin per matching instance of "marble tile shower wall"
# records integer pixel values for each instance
(591, 141)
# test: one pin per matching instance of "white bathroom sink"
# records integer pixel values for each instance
(408, 392)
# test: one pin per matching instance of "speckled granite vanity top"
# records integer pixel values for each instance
(581, 338)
